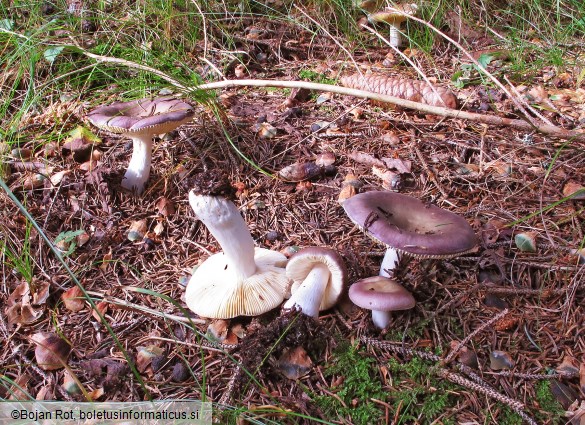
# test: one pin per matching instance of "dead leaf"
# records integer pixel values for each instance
(325, 159)
(390, 179)
(80, 143)
(366, 159)
(294, 363)
(73, 299)
(568, 366)
(51, 351)
(217, 330)
(165, 206)
(400, 165)
(22, 314)
(300, 171)
(45, 393)
(90, 165)
(18, 391)
(106, 260)
(180, 372)
(500, 360)
(137, 230)
(106, 372)
(563, 393)
(41, 292)
(102, 307)
(58, 177)
(19, 310)
(96, 394)
(266, 131)
(145, 356)
(575, 189)
(69, 384)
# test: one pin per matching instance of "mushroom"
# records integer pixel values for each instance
(319, 276)
(408, 225)
(381, 295)
(141, 120)
(394, 16)
(241, 280)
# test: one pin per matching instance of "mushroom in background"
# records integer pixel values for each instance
(407, 225)
(241, 280)
(382, 296)
(394, 16)
(319, 276)
(141, 120)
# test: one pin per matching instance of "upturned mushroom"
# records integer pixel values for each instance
(241, 280)
(407, 225)
(141, 120)
(382, 296)
(318, 277)
(394, 16)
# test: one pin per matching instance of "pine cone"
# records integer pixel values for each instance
(404, 88)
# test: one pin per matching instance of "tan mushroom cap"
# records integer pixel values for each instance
(153, 116)
(300, 264)
(411, 226)
(394, 15)
(214, 292)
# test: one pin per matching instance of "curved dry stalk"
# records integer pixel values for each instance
(517, 124)
(510, 402)
(550, 130)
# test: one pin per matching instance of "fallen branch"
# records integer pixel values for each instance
(550, 130)
(517, 124)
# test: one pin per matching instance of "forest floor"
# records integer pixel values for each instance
(519, 314)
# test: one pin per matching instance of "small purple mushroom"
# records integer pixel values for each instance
(141, 120)
(381, 295)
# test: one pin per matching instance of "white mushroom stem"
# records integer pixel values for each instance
(395, 36)
(381, 319)
(224, 221)
(389, 263)
(309, 294)
(139, 168)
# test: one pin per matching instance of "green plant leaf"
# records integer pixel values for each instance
(6, 24)
(52, 52)
(484, 60)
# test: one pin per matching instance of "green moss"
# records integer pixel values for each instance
(419, 395)
(316, 77)
(550, 408)
(361, 383)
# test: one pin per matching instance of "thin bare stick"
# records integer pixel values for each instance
(528, 106)
(362, 94)
(422, 107)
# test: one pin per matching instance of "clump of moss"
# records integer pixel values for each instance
(550, 408)
(417, 392)
(361, 383)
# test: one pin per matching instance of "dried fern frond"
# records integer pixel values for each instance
(404, 88)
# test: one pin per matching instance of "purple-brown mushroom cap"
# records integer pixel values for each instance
(378, 293)
(155, 116)
(410, 225)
